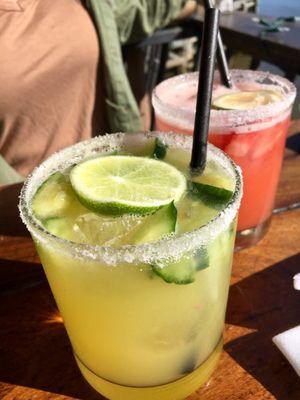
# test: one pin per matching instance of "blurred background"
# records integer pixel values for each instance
(178, 56)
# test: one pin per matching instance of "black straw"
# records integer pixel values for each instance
(206, 75)
(221, 56)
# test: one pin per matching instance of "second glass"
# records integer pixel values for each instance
(253, 138)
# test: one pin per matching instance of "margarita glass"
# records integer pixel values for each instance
(135, 335)
(254, 138)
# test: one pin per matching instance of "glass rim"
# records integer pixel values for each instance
(226, 118)
(170, 247)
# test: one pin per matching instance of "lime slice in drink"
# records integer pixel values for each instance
(117, 185)
(245, 100)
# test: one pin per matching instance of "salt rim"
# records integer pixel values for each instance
(172, 247)
(228, 119)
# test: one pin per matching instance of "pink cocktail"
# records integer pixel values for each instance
(254, 138)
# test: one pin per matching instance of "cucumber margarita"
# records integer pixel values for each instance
(249, 122)
(138, 255)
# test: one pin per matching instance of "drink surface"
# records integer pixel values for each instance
(61, 212)
(255, 143)
(141, 323)
(184, 95)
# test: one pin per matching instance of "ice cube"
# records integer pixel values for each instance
(104, 230)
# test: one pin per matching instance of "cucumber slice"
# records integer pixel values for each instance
(52, 198)
(144, 147)
(160, 149)
(184, 271)
(179, 158)
(138, 145)
(156, 226)
(181, 272)
(212, 196)
(59, 226)
(201, 258)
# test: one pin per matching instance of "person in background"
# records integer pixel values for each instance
(62, 78)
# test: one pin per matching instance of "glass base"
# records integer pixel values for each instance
(249, 237)
(176, 390)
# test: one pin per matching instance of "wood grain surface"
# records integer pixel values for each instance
(36, 360)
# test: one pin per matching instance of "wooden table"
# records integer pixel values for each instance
(36, 361)
(241, 33)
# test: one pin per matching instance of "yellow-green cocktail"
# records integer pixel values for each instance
(138, 254)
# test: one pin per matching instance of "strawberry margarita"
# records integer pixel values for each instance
(249, 122)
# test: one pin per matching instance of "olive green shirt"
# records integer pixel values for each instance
(119, 22)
